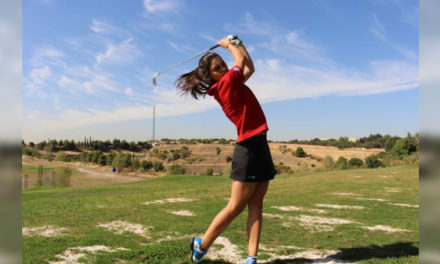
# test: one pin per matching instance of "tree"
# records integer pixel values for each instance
(116, 143)
(390, 142)
(102, 159)
(121, 161)
(404, 146)
(109, 159)
(124, 145)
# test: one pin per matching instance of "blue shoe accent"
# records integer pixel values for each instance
(197, 252)
(250, 260)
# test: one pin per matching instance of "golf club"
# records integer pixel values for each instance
(230, 37)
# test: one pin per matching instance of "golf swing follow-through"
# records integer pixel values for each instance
(252, 164)
(232, 38)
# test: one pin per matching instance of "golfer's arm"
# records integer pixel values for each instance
(248, 69)
(237, 54)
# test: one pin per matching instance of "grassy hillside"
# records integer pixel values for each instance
(93, 216)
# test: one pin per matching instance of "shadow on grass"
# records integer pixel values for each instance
(208, 261)
(396, 250)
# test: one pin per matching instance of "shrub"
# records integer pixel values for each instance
(299, 152)
(161, 155)
(341, 163)
(281, 168)
(136, 164)
(61, 156)
(185, 152)
(63, 176)
(329, 163)
(218, 150)
(31, 152)
(355, 163)
(413, 158)
(146, 165)
(223, 141)
(283, 149)
(49, 156)
(228, 159)
(102, 159)
(176, 169)
(209, 171)
(158, 166)
(372, 162)
(175, 156)
(190, 160)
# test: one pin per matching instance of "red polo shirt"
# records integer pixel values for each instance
(239, 104)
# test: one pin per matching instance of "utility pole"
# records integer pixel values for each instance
(154, 121)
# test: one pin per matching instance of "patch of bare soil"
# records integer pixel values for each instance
(119, 227)
(73, 255)
(46, 231)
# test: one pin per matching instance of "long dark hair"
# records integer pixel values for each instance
(198, 81)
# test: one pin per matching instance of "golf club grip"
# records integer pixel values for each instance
(213, 47)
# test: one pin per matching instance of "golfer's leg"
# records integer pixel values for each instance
(240, 194)
(255, 217)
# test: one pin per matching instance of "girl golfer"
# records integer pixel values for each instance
(252, 165)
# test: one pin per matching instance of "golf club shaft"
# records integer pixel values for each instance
(186, 60)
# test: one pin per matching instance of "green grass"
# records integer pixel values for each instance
(80, 210)
(26, 169)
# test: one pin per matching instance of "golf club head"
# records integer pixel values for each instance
(154, 78)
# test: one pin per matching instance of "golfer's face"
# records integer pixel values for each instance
(218, 68)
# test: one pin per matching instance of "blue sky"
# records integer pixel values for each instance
(323, 68)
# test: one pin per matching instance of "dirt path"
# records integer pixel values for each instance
(89, 175)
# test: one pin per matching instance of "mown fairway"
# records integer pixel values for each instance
(317, 220)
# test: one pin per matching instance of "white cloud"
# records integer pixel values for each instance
(40, 75)
(34, 84)
(287, 81)
(153, 6)
(181, 48)
(91, 84)
(47, 56)
(377, 29)
(295, 46)
(128, 91)
(102, 27)
(249, 25)
(123, 52)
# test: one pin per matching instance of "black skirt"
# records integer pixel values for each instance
(252, 161)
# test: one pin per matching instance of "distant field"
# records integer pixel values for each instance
(364, 215)
(206, 156)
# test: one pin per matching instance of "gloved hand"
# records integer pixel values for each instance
(234, 39)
